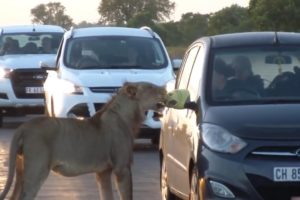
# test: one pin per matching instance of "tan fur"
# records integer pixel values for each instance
(101, 144)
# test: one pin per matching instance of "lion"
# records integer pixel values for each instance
(101, 144)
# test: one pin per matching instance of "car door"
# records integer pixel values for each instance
(178, 132)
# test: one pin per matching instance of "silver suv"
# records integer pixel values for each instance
(22, 48)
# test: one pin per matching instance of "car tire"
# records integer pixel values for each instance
(155, 140)
(194, 184)
(164, 188)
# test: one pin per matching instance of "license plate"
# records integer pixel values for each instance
(34, 90)
(281, 174)
(295, 198)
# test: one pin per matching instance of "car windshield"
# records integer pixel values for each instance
(256, 75)
(29, 43)
(114, 52)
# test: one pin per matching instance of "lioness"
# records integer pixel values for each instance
(102, 144)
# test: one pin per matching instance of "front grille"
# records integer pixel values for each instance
(270, 190)
(22, 78)
(104, 89)
(279, 153)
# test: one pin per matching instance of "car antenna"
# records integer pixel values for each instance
(33, 28)
(276, 40)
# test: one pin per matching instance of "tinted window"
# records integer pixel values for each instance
(255, 75)
(115, 52)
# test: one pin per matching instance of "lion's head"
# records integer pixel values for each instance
(150, 96)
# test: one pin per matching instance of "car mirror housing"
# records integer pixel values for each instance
(178, 99)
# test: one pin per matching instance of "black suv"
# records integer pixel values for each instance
(237, 136)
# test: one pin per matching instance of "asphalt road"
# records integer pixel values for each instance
(84, 187)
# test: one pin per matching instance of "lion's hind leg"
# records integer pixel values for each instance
(36, 171)
(124, 182)
(105, 185)
(19, 178)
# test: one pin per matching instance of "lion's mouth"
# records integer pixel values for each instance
(160, 105)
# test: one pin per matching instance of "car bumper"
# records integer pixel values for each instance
(246, 175)
(86, 105)
(9, 101)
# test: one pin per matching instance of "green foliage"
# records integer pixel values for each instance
(176, 51)
(120, 12)
(228, 20)
(261, 15)
(275, 15)
(51, 13)
(193, 26)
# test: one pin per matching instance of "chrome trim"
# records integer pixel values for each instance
(273, 153)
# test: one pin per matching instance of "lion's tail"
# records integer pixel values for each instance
(14, 148)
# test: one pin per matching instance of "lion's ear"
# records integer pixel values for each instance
(131, 90)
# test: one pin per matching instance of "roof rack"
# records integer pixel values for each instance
(147, 28)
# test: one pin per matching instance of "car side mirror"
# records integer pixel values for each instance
(47, 66)
(180, 99)
(176, 63)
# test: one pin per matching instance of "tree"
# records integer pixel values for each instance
(193, 26)
(275, 15)
(231, 19)
(120, 12)
(51, 13)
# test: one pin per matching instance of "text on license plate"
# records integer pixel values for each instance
(286, 174)
(34, 90)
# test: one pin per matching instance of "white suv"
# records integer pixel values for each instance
(22, 48)
(92, 63)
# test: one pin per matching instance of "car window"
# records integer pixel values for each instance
(115, 52)
(256, 74)
(184, 75)
(29, 43)
(196, 74)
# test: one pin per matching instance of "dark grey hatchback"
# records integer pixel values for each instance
(237, 136)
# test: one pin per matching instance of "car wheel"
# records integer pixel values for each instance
(155, 140)
(194, 187)
(164, 188)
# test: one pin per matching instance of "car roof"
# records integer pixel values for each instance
(111, 31)
(252, 38)
(31, 28)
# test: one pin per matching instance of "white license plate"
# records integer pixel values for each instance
(286, 174)
(34, 90)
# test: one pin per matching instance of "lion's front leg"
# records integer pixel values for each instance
(124, 182)
(104, 184)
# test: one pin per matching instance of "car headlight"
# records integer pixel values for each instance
(4, 73)
(69, 87)
(219, 139)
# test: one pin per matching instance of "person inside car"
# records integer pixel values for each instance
(244, 80)
(46, 46)
(220, 75)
